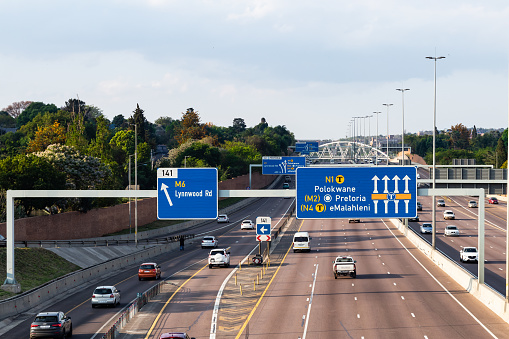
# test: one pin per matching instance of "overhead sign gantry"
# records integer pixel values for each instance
(282, 165)
(364, 192)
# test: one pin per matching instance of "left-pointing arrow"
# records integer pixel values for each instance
(163, 188)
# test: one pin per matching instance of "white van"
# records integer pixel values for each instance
(301, 242)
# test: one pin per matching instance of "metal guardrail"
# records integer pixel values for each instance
(132, 309)
(94, 243)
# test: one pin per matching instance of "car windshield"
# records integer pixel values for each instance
(301, 239)
(102, 291)
(208, 238)
(426, 225)
(471, 249)
(344, 260)
(222, 216)
(494, 199)
(216, 252)
(147, 267)
(46, 319)
(451, 227)
(472, 202)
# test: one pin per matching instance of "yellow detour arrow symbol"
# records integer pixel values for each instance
(340, 179)
(320, 207)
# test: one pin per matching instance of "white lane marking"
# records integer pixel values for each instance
(355, 298)
(413, 315)
(310, 303)
(358, 316)
(394, 284)
(440, 284)
(485, 221)
(402, 297)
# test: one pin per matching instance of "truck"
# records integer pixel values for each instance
(219, 257)
(344, 266)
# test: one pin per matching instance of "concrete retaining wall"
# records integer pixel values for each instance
(492, 299)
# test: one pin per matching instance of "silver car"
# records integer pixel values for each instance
(451, 231)
(106, 295)
(472, 204)
(449, 215)
(426, 228)
(440, 203)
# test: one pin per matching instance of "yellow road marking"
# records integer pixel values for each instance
(168, 301)
(265, 291)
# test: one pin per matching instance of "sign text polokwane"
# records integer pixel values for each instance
(365, 192)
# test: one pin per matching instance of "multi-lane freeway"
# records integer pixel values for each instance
(398, 292)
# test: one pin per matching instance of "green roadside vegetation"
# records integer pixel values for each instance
(37, 266)
(34, 267)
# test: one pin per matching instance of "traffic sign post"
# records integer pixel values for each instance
(187, 193)
(263, 228)
(282, 165)
(361, 192)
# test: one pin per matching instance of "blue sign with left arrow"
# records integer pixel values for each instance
(187, 193)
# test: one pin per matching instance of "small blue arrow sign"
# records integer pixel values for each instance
(263, 226)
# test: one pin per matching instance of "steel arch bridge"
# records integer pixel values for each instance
(346, 151)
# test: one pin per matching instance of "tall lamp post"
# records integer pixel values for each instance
(185, 158)
(376, 154)
(369, 126)
(433, 201)
(135, 183)
(387, 105)
(130, 155)
(402, 90)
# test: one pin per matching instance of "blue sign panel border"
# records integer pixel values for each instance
(190, 194)
(356, 192)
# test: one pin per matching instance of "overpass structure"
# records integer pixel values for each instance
(348, 152)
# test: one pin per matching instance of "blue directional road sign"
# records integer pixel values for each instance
(187, 193)
(263, 229)
(306, 147)
(360, 192)
(282, 165)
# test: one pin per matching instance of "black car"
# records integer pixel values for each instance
(414, 219)
(52, 325)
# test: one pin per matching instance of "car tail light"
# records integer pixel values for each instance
(112, 296)
(34, 325)
(93, 295)
(57, 325)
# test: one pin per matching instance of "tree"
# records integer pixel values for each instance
(119, 121)
(239, 125)
(32, 111)
(74, 105)
(45, 136)
(139, 120)
(16, 108)
(76, 135)
(501, 152)
(460, 137)
(100, 146)
(29, 172)
(6, 120)
(190, 127)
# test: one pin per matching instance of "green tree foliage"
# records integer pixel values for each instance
(190, 127)
(501, 152)
(119, 121)
(30, 172)
(45, 136)
(13, 143)
(239, 125)
(45, 119)
(6, 120)
(32, 111)
(460, 137)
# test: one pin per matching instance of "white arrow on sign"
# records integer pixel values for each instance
(375, 181)
(263, 229)
(406, 178)
(396, 179)
(386, 178)
(163, 188)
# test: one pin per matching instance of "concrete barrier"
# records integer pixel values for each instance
(489, 297)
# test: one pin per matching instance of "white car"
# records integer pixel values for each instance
(440, 203)
(449, 215)
(472, 204)
(209, 241)
(105, 295)
(222, 218)
(469, 254)
(451, 231)
(247, 225)
(219, 257)
(426, 228)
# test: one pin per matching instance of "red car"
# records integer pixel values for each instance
(493, 200)
(149, 270)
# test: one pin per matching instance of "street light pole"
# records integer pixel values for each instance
(402, 90)
(130, 155)
(377, 146)
(387, 105)
(433, 197)
(136, 184)
(369, 127)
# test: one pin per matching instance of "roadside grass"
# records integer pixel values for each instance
(34, 267)
(163, 223)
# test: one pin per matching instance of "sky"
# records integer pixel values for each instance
(308, 65)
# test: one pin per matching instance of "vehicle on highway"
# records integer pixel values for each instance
(344, 266)
(440, 203)
(301, 242)
(176, 335)
(286, 185)
(288, 178)
(222, 218)
(472, 204)
(354, 220)
(149, 270)
(209, 241)
(419, 206)
(426, 228)
(493, 200)
(414, 219)
(105, 295)
(51, 325)
(451, 230)
(219, 257)
(247, 225)
(449, 215)
(469, 254)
